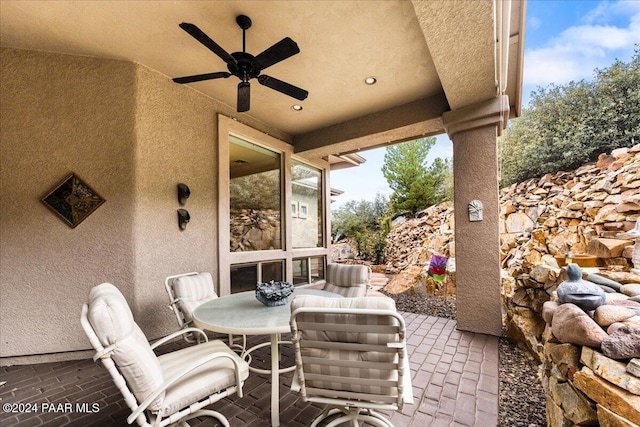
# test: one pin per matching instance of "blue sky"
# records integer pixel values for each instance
(564, 41)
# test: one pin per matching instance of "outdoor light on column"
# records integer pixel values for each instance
(475, 210)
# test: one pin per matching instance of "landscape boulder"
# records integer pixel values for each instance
(624, 343)
(572, 325)
(606, 315)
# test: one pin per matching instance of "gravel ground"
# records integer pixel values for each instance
(522, 399)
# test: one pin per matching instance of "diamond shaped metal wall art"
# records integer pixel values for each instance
(73, 200)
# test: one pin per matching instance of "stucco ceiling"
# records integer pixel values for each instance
(341, 43)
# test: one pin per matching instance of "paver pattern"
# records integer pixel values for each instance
(455, 383)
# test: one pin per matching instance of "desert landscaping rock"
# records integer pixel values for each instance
(624, 343)
(633, 322)
(596, 278)
(633, 367)
(632, 289)
(606, 315)
(572, 325)
(548, 309)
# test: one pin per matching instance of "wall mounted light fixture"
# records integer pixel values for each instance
(183, 218)
(475, 210)
(183, 193)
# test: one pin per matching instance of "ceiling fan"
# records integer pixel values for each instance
(246, 66)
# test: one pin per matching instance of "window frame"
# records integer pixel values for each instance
(226, 258)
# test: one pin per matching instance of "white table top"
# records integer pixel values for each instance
(243, 314)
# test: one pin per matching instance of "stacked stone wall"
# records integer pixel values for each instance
(590, 368)
(545, 220)
(584, 216)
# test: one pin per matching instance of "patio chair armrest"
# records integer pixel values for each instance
(177, 334)
(143, 406)
(172, 303)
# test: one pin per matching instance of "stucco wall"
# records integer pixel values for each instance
(176, 134)
(62, 114)
(130, 133)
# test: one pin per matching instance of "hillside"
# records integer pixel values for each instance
(540, 219)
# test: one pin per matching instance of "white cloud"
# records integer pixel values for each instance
(534, 23)
(578, 50)
(605, 11)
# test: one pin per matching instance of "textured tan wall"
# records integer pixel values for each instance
(176, 142)
(132, 134)
(62, 114)
(477, 243)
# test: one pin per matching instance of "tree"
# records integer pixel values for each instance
(568, 125)
(356, 216)
(415, 187)
(367, 223)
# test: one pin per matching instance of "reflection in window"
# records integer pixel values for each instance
(308, 270)
(255, 197)
(306, 207)
(245, 277)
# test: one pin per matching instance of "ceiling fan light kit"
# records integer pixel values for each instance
(245, 66)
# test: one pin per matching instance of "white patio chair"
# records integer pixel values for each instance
(350, 281)
(350, 354)
(160, 390)
(186, 292)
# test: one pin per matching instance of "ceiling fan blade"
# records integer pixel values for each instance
(283, 87)
(244, 94)
(200, 77)
(199, 35)
(276, 53)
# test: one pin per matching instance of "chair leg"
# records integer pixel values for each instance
(326, 412)
(238, 348)
(206, 413)
(352, 416)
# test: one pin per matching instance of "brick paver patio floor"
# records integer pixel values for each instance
(455, 383)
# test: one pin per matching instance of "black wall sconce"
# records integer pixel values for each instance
(183, 218)
(183, 193)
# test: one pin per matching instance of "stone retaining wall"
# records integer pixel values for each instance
(546, 219)
(590, 367)
(584, 387)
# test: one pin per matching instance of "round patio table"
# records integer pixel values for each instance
(243, 314)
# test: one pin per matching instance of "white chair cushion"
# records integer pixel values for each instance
(349, 281)
(112, 320)
(192, 291)
(345, 335)
(209, 378)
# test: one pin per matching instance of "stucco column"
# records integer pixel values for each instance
(474, 130)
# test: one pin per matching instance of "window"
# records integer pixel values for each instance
(244, 277)
(306, 193)
(303, 210)
(271, 211)
(308, 270)
(255, 197)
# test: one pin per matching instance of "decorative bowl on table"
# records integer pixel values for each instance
(274, 293)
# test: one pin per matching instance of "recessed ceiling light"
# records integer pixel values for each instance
(296, 107)
(370, 80)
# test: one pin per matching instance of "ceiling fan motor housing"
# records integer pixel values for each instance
(245, 68)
